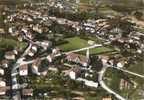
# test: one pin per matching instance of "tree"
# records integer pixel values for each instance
(96, 63)
(123, 24)
(138, 15)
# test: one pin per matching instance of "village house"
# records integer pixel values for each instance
(32, 51)
(75, 72)
(11, 30)
(5, 63)
(15, 33)
(9, 55)
(121, 64)
(89, 26)
(2, 87)
(20, 38)
(46, 44)
(76, 58)
(104, 59)
(53, 68)
(37, 28)
(116, 30)
(44, 73)
(2, 91)
(107, 98)
(90, 42)
(91, 83)
(49, 58)
(2, 71)
(23, 70)
(27, 92)
(139, 51)
(29, 19)
(25, 30)
(72, 23)
(141, 93)
(35, 67)
(15, 51)
(61, 21)
(2, 31)
(55, 50)
(29, 35)
(59, 5)
(124, 84)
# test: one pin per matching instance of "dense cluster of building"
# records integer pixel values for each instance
(32, 20)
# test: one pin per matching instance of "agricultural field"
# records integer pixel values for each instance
(112, 79)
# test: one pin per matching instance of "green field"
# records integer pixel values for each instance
(114, 84)
(137, 68)
(9, 44)
(1, 18)
(114, 76)
(77, 43)
(6, 43)
(84, 1)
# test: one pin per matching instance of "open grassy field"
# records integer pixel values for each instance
(84, 1)
(7, 43)
(77, 43)
(113, 81)
(137, 68)
(114, 77)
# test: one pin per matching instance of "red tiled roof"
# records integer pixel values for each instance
(73, 57)
(9, 53)
(4, 62)
(23, 67)
(27, 92)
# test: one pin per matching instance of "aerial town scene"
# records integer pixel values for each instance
(71, 49)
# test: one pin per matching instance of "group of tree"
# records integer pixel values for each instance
(77, 16)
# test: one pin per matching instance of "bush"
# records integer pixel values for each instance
(61, 42)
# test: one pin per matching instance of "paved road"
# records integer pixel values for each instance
(129, 72)
(104, 86)
(15, 85)
(60, 54)
(83, 49)
(27, 50)
(101, 73)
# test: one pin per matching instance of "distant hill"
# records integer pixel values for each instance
(131, 3)
(128, 2)
(10, 2)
